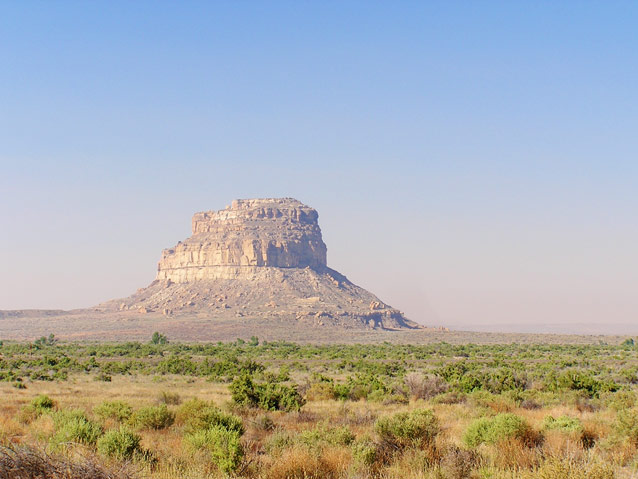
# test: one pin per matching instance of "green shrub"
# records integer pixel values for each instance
(72, 426)
(39, 405)
(119, 444)
(42, 403)
(627, 424)
(245, 392)
(582, 381)
(158, 338)
(364, 452)
(118, 410)
(64, 416)
(322, 435)
(404, 429)
(152, 417)
(563, 423)
(622, 400)
(268, 396)
(279, 397)
(211, 416)
(189, 409)
(493, 429)
(564, 468)
(278, 441)
(224, 446)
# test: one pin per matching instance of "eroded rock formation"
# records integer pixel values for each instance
(259, 258)
(250, 234)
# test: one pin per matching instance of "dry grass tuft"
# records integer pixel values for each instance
(300, 463)
(515, 453)
(22, 462)
(459, 463)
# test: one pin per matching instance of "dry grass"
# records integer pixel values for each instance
(561, 455)
(300, 463)
(22, 462)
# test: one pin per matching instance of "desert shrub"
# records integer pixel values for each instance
(118, 410)
(158, 338)
(63, 416)
(45, 341)
(423, 387)
(189, 409)
(224, 446)
(582, 381)
(196, 414)
(279, 397)
(504, 379)
(496, 402)
(278, 441)
(627, 424)
(177, 365)
(363, 386)
(458, 463)
(264, 422)
(564, 468)
(364, 452)
(152, 417)
(323, 435)
(269, 396)
(404, 429)
(42, 403)
(630, 374)
(39, 405)
(211, 416)
(72, 426)
(621, 400)
(320, 391)
(119, 444)
(563, 423)
(171, 398)
(245, 392)
(493, 429)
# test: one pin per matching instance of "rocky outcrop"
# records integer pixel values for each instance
(259, 258)
(249, 234)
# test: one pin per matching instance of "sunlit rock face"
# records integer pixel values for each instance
(259, 258)
(249, 234)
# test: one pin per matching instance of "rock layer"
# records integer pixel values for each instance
(259, 258)
(231, 243)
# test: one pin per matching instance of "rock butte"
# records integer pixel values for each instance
(259, 258)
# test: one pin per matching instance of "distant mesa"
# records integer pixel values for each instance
(258, 258)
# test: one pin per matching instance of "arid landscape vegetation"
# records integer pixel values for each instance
(318, 240)
(279, 410)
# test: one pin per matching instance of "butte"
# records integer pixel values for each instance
(258, 258)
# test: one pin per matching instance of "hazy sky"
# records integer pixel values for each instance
(474, 164)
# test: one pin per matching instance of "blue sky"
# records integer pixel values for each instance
(473, 163)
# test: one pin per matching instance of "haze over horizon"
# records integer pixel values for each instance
(474, 165)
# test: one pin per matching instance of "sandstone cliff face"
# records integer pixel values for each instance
(230, 243)
(260, 258)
